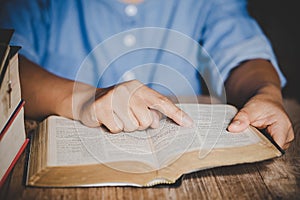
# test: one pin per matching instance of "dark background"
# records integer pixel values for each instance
(280, 20)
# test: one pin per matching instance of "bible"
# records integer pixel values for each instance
(65, 153)
(13, 139)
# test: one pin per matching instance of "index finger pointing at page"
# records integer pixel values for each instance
(165, 106)
(156, 101)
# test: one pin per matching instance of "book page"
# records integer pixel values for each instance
(209, 132)
(72, 143)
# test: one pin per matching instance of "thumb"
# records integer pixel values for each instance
(240, 122)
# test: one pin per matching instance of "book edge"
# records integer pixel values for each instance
(12, 118)
(269, 137)
(6, 49)
(14, 161)
(13, 50)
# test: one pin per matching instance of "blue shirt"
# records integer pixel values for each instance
(167, 44)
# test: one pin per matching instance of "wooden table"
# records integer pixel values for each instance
(273, 179)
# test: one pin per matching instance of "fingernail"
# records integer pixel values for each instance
(236, 123)
(187, 121)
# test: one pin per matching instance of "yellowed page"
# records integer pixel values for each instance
(71, 143)
(209, 132)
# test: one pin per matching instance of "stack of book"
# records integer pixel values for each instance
(12, 129)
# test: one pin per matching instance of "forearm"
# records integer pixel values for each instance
(127, 106)
(252, 78)
(44, 93)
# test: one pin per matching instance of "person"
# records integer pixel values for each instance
(57, 37)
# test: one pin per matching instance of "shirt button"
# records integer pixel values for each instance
(129, 40)
(131, 10)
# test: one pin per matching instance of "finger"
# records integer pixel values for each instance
(130, 123)
(165, 106)
(111, 121)
(282, 135)
(121, 106)
(144, 117)
(156, 116)
(88, 116)
(240, 122)
(104, 114)
(156, 101)
(279, 140)
(291, 135)
(141, 112)
(89, 120)
(289, 140)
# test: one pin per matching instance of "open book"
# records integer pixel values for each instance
(65, 153)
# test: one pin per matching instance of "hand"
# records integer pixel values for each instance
(263, 111)
(130, 106)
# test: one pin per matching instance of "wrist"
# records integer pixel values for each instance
(63, 102)
(259, 78)
(271, 90)
(74, 96)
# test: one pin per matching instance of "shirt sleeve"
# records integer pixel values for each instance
(232, 36)
(30, 20)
